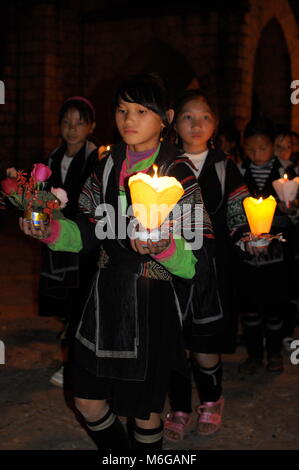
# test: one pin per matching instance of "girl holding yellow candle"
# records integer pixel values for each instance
(208, 335)
(265, 282)
(130, 334)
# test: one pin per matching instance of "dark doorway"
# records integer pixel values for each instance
(272, 76)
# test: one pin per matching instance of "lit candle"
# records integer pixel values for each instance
(155, 178)
(259, 213)
(101, 150)
(286, 189)
(153, 197)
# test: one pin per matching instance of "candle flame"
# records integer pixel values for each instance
(285, 176)
(155, 177)
(108, 148)
(260, 200)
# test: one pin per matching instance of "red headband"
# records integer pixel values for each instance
(85, 100)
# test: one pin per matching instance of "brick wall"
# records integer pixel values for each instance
(52, 53)
(41, 70)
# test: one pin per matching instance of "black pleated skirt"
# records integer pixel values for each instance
(164, 352)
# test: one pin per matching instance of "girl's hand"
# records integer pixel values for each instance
(28, 228)
(255, 250)
(151, 248)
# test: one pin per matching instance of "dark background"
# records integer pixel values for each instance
(245, 52)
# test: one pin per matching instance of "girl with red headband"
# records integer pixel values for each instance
(64, 275)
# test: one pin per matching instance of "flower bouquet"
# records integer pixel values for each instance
(29, 194)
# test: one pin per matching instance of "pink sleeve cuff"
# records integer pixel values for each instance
(168, 252)
(55, 231)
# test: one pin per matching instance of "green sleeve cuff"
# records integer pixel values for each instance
(69, 238)
(182, 262)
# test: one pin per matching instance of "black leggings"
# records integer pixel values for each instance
(208, 383)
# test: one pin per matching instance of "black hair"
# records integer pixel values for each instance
(85, 111)
(146, 89)
(283, 131)
(260, 126)
(230, 132)
(189, 95)
(294, 134)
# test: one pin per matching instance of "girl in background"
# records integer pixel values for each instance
(267, 306)
(283, 147)
(64, 276)
(223, 190)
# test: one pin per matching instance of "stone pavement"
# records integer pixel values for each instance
(260, 413)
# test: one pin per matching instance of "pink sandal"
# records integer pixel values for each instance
(214, 418)
(179, 428)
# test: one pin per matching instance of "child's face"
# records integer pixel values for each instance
(195, 125)
(259, 149)
(283, 147)
(295, 143)
(139, 127)
(75, 130)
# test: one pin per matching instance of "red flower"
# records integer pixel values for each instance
(53, 204)
(41, 172)
(48, 211)
(9, 186)
(21, 178)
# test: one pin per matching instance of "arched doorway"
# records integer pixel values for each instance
(272, 76)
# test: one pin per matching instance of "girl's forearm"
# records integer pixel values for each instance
(65, 236)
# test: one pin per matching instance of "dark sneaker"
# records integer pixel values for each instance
(275, 363)
(251, 366)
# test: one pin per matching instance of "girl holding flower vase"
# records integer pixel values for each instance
(129, 337)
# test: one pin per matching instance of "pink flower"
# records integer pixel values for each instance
(41, 172)
(9, 186)
(61, 195)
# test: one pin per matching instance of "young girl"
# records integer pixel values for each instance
(266, 305)
(129, 337)
(283, 147)
(223, 190)
(64, 276)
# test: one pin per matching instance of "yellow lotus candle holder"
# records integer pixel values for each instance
(260, 213)
(153, 198)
